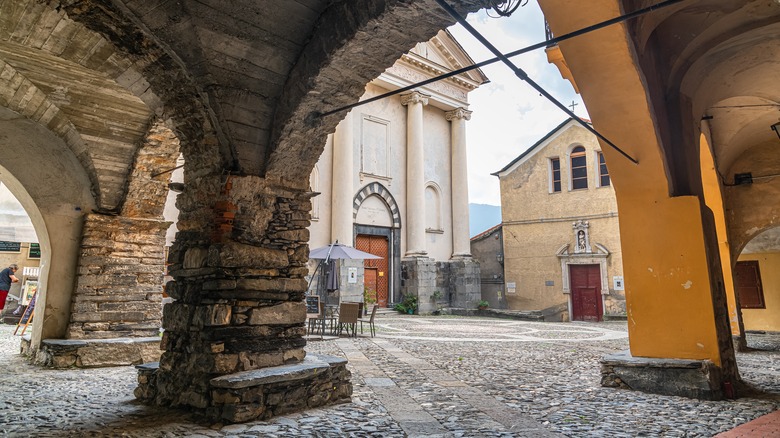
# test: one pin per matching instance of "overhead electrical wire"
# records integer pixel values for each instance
(520, 73)
(546, 43)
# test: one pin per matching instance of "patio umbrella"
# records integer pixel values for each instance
(338, 251)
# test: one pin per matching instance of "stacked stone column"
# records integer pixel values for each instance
(238, 285)
(238, 263)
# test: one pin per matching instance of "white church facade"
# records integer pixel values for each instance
(392, 181)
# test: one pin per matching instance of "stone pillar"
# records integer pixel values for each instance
(119, 287)
(415, 174)
(342, 192)
(238, 263)
(461, 245)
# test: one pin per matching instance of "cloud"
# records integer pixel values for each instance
(508, 115)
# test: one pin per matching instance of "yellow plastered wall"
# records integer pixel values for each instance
(713, 197)
(668, 294)
(538, 222)
(768, 318)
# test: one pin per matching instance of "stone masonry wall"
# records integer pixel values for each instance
(453, 283)
(238, 262)
(119, 286)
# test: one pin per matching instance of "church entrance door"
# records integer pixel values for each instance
(586, 293)
(376, 245)
(369, 282)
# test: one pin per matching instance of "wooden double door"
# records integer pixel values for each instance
(377, 272)
(585, 283)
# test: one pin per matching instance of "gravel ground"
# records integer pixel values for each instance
(460, 376)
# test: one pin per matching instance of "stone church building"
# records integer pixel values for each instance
(561, 239)
(393, 182)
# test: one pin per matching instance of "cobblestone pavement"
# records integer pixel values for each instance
(421, 376)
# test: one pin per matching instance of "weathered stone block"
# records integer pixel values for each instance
(277, 284)
(212, 315)
(195, 258)
(234, 255)
(219, 285)
(281, 314)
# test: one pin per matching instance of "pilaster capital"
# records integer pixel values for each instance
(414, 97)
(458, 113)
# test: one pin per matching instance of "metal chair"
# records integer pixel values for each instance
(318, 320)
(370, 322)
(348, 317)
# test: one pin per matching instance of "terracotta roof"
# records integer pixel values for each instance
(486, 233)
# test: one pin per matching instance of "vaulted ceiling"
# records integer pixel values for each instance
(250, 76)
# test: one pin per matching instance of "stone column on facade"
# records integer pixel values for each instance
(461, 245)
(343, 172)
(415, 174)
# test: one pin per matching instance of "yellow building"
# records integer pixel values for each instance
(560, 229)
(687, 96)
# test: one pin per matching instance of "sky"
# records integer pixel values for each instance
(508, 115)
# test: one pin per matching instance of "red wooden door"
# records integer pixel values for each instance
(369, 282)
(585, 292)
(377, 245)
(747, 280)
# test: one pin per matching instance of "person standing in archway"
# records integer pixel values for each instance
(6, 278)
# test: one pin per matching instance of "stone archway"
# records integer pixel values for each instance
(52, 186)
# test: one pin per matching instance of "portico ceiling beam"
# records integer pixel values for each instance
(540, 45)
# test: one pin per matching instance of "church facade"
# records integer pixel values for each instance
(561, 240)
(392, 181)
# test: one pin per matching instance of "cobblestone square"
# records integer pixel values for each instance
(421, 376)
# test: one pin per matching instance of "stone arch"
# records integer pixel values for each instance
(369, 39)
(381, 191)
(55, 197)
(37, 107)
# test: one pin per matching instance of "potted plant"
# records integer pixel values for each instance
(369, 298)
(482, 305)
(408, 305)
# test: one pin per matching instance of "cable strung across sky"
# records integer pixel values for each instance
(521, 74)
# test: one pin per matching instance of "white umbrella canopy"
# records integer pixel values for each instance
(340, 251)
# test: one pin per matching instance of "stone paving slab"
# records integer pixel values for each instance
(421, 376)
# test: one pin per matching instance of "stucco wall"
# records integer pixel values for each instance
(768, 318)
(49, 182)
(538, 223)
(437, 169)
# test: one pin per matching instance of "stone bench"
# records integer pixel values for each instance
(682, 377)
(93, 353)
(267, 392)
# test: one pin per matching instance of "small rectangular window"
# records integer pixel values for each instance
(747, 281)
(603, 172)
(555, 174)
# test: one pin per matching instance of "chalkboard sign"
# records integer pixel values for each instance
(10, 246)
(35, 251)
(312, 304)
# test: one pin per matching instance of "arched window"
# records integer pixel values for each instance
(579, 169)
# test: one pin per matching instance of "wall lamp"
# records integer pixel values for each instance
(776, 128)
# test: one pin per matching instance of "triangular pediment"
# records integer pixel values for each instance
(445, 53)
